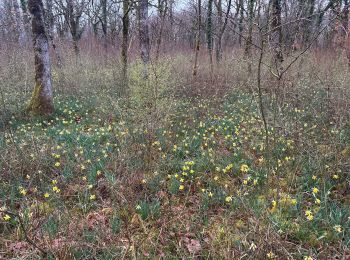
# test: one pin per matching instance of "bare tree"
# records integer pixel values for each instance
(198, 37)
(144, 35)
(125, 42)
(222, 26)
(249, 38)
(210, 36)
(162, 12)
(41, 102)
(276, 35)
(19, 23)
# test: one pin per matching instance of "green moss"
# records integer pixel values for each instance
(38, 104)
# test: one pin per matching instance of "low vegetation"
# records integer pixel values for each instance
(181, 169)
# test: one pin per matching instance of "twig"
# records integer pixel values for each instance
(29, 240)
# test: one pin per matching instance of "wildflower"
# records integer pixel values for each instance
(23, 192)
(57, 164)
(314, 177)
(54, 182)
(181, 187)
(315, 190)
(7, 217)
(270, 255)
(317, 201)
(92, 197)
(46, 195)
(228, 199)
(56, 189)
(335, 176)
(309, 215)
(252, 246)
(244, 168)
(308, 258)
(338, 228)
(138, 207)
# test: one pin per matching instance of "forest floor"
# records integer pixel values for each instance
(94, 181)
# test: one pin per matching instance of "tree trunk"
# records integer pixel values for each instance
(210, 36)
(240, 22)
(104, 25)
(198, 38)
(162, 12)
(41, 102)
(222, 27)
(50, 23)
(276, 35)
(249, 39)
(26, 19)
(144, 36)
(124, 47)
(21, 34)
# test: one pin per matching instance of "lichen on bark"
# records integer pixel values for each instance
(41, 102)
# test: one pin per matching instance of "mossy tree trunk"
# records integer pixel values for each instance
(41, 102)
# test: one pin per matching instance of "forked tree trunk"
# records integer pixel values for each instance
(222, 26)
(41, 102)
(144, 36)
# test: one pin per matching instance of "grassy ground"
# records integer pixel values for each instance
(177, 176)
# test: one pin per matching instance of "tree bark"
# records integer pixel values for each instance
(124, 47)
(240, 22)
(41, 102)
(249, 38)
(210, 36)
(222, 26)
(276, 35)
(198, 37)
(21, 34)
(104, 25)
(162, 12)
(144, 35)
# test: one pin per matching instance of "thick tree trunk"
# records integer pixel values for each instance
(144, 36)
(41, 102)
(198, 37)
(26, 18)
(124, 47)
(21, 34)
